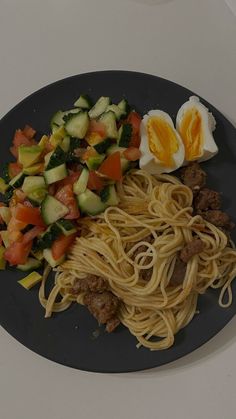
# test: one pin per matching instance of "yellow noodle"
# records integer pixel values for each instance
(160, 208)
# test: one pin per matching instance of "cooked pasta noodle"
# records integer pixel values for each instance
(155, 216)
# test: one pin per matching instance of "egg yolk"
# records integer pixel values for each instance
(192, 134)
(162, 140)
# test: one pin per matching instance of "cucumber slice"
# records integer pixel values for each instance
(103, 146)
(52, 210)
(117, 111)
(81, 184)
(38, 254)
(5, 214)
(124, 106)
(94, 162)
(47, 253)
(124, 135)
(57, 119)
(77, 125)
(55, 174)
(113, 198)
(37, 196)
(66, 226)
(30, 265)
(33, 170)
(90, 203)
(65, 145)
(56, 158)
(5, 237)
(99, 107)
(109, 120)
(17, 181)
(29, 155)
(46, 239)
(84, 102)
(3, 186)
(31, 183)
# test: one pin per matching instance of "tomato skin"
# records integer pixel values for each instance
(29, 215)
(14, 169)
(111, 167)
(66, 196)
(132, 153)
(32, 234)
(17, 253)
(29, 132)
(15, 225)
(61, 245)
(95, 182)
(20, 138)
(98, 127)
(135, 120)
(69, 180)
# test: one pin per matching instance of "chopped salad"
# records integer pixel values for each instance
(65, 175)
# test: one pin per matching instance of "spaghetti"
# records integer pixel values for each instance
(135, 247)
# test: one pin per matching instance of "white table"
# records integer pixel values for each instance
(192, 42)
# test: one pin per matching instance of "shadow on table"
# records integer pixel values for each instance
(219, 343)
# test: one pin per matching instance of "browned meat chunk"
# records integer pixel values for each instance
(207, 199)
(103, 305)
(146, 274)
(178, 273)
(191, 249)
(193, 176)
(112, 324)
(219, 219)
(91, 283)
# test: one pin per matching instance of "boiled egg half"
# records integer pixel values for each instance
(195, 124)
(161, 147)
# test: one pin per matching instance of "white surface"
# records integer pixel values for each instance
(191, 42)
(232, 5)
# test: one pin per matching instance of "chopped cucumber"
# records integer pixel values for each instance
(115, 148)
(6, 173)
(124, 106)
(55, 158)
(2, 260)
(77, 126)
(3, 186)
(109, 120)
(84, 102)
(113, 199)
(124, 135)
(33, 170)
(58, 117)
(66, 226)
(30, 265)
(103, 145)
(65, 145)
(17, 181)
(47, 253)
(94, 162)
(52, 210)
(5, 214)
(43, 141)
(55, 174)
(90, 203)
(31, 183)
(8, 195)
(125, 164)
(46, 239)
(99, 107)
(30, 280)
(38, 254)
(37, 196)
(117, 111)
(29, 155)
(81, 184)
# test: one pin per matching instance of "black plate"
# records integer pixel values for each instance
(67, 338)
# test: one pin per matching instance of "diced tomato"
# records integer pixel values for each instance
(52, 189)
(90, 152)
(29, 215)
(29, 132)
(21, 139)
(135, 120)
(17, 253)
(69, 180)
(95, 182)
(15, 236)
(135, 141)
(1, 220)
(14, 169)
(31, 234)
(14, 151)
(15, 225)
(98, 127)
(61, 245)
(111, 166)
(66, 196)
(132, 153)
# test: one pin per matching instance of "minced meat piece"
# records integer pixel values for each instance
(112, 324)
(103, 306)
(218, 218)
(91, 283)
(207, 199)
(193, 176)
(178, 273)
(191, 249)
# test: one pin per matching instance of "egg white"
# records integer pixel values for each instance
(148, 161)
